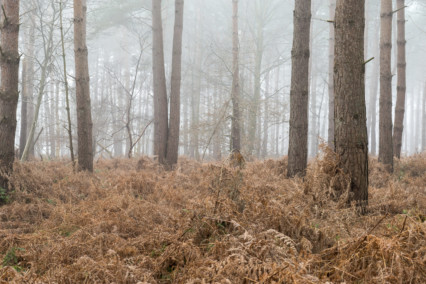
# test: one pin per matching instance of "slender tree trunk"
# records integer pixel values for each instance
(424, 120)
(332, 9)
(351, 140)
(266, 118)
(67, 101)
(235, 96)
(84, 116)
(160, 89)
(24, 106)
(174, 125)
(385, 141)
(401, 88)
(299, 93)
(9, 94)
(48, 49)
(372, 116)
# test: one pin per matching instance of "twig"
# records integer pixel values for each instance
(403, 225)
(380, 221)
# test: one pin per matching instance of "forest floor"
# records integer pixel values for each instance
(132, 222)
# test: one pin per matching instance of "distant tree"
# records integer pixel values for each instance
(401, 88)
(84, 116)
(385, 122)
(299, 93)
(9, 61)
(235, 95)
(351, 139)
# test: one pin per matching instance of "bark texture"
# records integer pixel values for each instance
(351, 139)
(401, 84)
(385, 120)
(9, 61)
(235, 96)
(299, 93)
(84, 116)
(160, 89)
(332, 10)
(174, 125)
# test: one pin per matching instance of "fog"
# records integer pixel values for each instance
(119, 36)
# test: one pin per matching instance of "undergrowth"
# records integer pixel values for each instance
(133, 222)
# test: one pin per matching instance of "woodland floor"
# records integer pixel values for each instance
(132, 222)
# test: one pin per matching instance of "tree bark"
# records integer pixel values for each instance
(160, 89)
(299, 93)
(332, 10)
(385, 121)
(351, 139)
(235, 96)
(174, 125)
(9, 94)
(84, 116)
(401, 88)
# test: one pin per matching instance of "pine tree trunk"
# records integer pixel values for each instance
(160, 89)
(385, 122)
(351, 139)
(332, 9)
(299, 93)
(401, 88)
(235, 96)
(84, 116)
(9, 94)
(174, 125)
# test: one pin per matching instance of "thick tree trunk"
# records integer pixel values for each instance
(84, 116)
(299, 93)
(235, 96)
(351, 140)
(174, 125)
(401, 88)
(160, 89)
(332, 9)
(9, 94)
(385, 122)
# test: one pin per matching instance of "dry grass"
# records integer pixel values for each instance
(132, 222)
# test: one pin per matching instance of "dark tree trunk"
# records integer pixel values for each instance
(235, 96)
(385, 121)
(174, 125)
(9, 94)
(299, 93)
(160, 89)
(400, 97)
(84, 116)
(351, 139)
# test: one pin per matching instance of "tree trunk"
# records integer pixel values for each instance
(372, 116)
(332, 10)
(385, 122)
(401, 88)
(299, 93)
(67, 101)
(351, 139)
(9, 94)
(424, 120)
(84, 116)
(174, 125)
(235, 96)
(160, 89)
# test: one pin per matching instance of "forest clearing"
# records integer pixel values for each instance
(131, 222)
